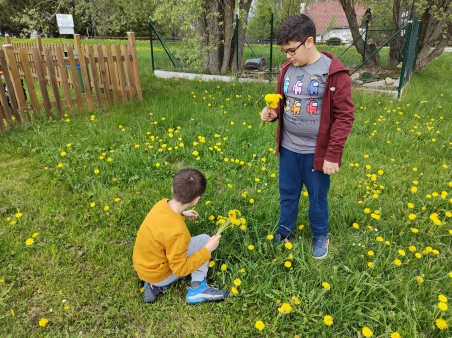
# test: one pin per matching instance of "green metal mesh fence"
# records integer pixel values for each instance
(262, 58)
(410, 53)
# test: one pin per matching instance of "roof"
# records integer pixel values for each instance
(326, 13)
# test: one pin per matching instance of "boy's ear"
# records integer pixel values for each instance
(195, 201)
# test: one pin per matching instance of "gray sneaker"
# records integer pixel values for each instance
(151, 292)
(320, 246)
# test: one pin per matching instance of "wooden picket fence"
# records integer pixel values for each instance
(48, 78)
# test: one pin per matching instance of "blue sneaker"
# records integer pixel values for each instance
(320, 246)
(204, 293)
(151, 292)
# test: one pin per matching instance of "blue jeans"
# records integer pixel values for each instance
(294, 171)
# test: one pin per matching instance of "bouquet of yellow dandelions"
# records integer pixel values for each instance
(231, 221)
(272, 102)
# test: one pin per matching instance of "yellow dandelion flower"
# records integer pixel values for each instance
(397, 262)
(259, 325)
(29, 241)
(442, 306)
(401, 252)
(326, 286)
(106, 208)
(234, 290)
(288, 245)
(237, 282)
(355, 225)
(211, 264)
(224, 267)
(441, 324)
(379, 239)
(43, 322)
(270, 237)
(251, 247)
(287, 264)
(96, 171)
(395, 335)
(420, 279)
(367, 332)
(442, 298)
(328, 320)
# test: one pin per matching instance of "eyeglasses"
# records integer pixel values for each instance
(292, 51)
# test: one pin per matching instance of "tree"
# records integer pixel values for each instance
(436, 17)
(259, 21)
(210, 25)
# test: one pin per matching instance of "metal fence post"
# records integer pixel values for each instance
(365, 41)
(271, 48)
(152, 47)
(237, 45)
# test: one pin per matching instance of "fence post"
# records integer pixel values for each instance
(271, 48)
(8, 39)
(237, 45)
(9, 84)
(135, 70)
(365, 41)
(152, 47)
(41, 51)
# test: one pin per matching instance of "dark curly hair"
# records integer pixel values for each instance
(188, 184)
(296, 28)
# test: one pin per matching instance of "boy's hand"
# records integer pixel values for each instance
(213, 242)
(268, 114)
(190, 214)
(330, 168)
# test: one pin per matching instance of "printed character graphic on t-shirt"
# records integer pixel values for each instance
(297, 86)
(312, 107)
(296, 107)
(287, 107)
(286, 85)
(313, 87)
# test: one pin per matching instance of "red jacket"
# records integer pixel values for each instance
(336, 119)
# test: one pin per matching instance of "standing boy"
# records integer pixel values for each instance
(164, 250)
(314, 117)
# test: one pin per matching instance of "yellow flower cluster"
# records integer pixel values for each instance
(232, 220)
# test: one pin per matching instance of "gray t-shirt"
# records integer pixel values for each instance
(303, 93)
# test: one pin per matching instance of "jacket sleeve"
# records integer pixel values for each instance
(343, 117)
(176, 253)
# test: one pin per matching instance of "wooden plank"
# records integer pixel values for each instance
(120, 72)
(42, 80)
(94, 76)
(134, 62)
(53, 80)
(8, 49)
(2, 118)
(113, 76)
(41, 51)
(83, 66)
(8, 39)
(73, 70)
(30, 83)
(103, 75)
(3, 100)
(65, 80)
(129, 72)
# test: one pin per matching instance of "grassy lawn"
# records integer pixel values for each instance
(74, 192)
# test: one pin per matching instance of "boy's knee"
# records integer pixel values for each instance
(204, 238)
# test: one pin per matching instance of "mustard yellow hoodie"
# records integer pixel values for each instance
(161, 246)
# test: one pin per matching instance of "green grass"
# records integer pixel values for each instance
(78, 273)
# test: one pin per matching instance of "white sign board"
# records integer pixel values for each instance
(65, 23)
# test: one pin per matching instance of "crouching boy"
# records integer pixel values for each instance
(164, 250)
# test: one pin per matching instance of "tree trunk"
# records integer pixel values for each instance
(214, 36)
(228, 10)
(350, 13)
(244, 7)
(435, 34)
